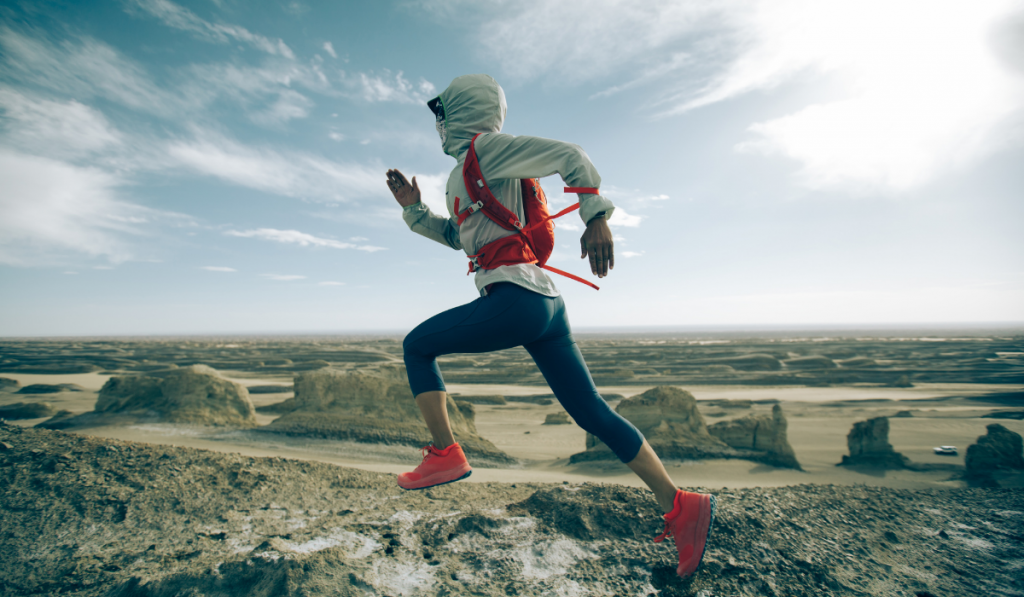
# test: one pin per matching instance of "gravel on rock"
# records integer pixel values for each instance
(89, 516)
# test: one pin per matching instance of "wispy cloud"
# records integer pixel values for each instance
(294, 237)
(83, 69)
(65, 129)
(621, 218)
(629, 254)
(916, 100)
(50, 208)
(329, 48)
(218, 268)
(291, 174)
(331, 284)
(283, 278)
(179, 17)
(921, 100)
(388, 88)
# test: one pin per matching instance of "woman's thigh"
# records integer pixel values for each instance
(508, 317)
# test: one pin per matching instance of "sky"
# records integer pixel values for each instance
(217, 166)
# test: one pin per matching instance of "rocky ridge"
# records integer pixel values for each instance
(88, 517)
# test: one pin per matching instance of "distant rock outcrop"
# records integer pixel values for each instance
(26, 410)
(269, 389)
(746, 362)
(196, 395)
(559, 418)
(370, 406)
(998, 451)
(45, 388)
(869, 445)
(669, 419)
(760, 433)
(6, 383)
(491, 399)
(811, 362)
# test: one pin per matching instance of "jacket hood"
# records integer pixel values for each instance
(472, 104)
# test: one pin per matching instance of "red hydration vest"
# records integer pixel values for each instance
(536, 236)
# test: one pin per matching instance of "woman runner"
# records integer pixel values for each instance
(519, 305)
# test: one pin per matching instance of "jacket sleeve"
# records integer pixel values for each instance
(505, 156)
(422, 221)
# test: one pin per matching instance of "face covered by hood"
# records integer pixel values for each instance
(472, 104)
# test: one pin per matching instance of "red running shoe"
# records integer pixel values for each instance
(689, 523)
(438, 467)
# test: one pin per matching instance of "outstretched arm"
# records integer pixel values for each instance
(418, 216)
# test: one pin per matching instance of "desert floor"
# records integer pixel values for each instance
(819, 419)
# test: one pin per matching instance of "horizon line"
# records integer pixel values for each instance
(1015, 327)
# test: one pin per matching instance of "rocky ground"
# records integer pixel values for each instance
(87, 516)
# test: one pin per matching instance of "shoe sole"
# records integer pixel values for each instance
(468, 473)
(707, 537)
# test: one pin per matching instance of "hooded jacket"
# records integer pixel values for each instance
(476, 104)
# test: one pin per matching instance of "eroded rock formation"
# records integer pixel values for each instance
(998, 451)
(868, 442)
(669, 419)
(759, 433)
(559, 418)
(196, 394)
(371, 406)
(26, 410)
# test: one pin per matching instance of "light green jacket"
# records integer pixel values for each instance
(476, 104)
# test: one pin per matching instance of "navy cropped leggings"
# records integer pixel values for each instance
(512, 316)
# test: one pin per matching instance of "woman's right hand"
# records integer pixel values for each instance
(405, 194)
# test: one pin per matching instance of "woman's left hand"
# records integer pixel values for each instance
(597, 243)
(405, 194)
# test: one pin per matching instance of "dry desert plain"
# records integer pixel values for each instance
(149, 507)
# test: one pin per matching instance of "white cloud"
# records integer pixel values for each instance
(82, 69)
(331, 284)
(291, 174)
(57, 129)
(299, 238)
(184, 19)
(329, 48)
(336, 136)
(628, 254)
(921, 99)
(621, 218)
(385, 88)
(565, 225)
(218, 268)
(358, 239)
(432, 191)
(49, 209)
(283, 278)
(924, 85)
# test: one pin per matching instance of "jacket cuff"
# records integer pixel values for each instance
(591, 205)
(412, 213)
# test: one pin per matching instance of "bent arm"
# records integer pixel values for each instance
(505, 156)
(424, 222)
